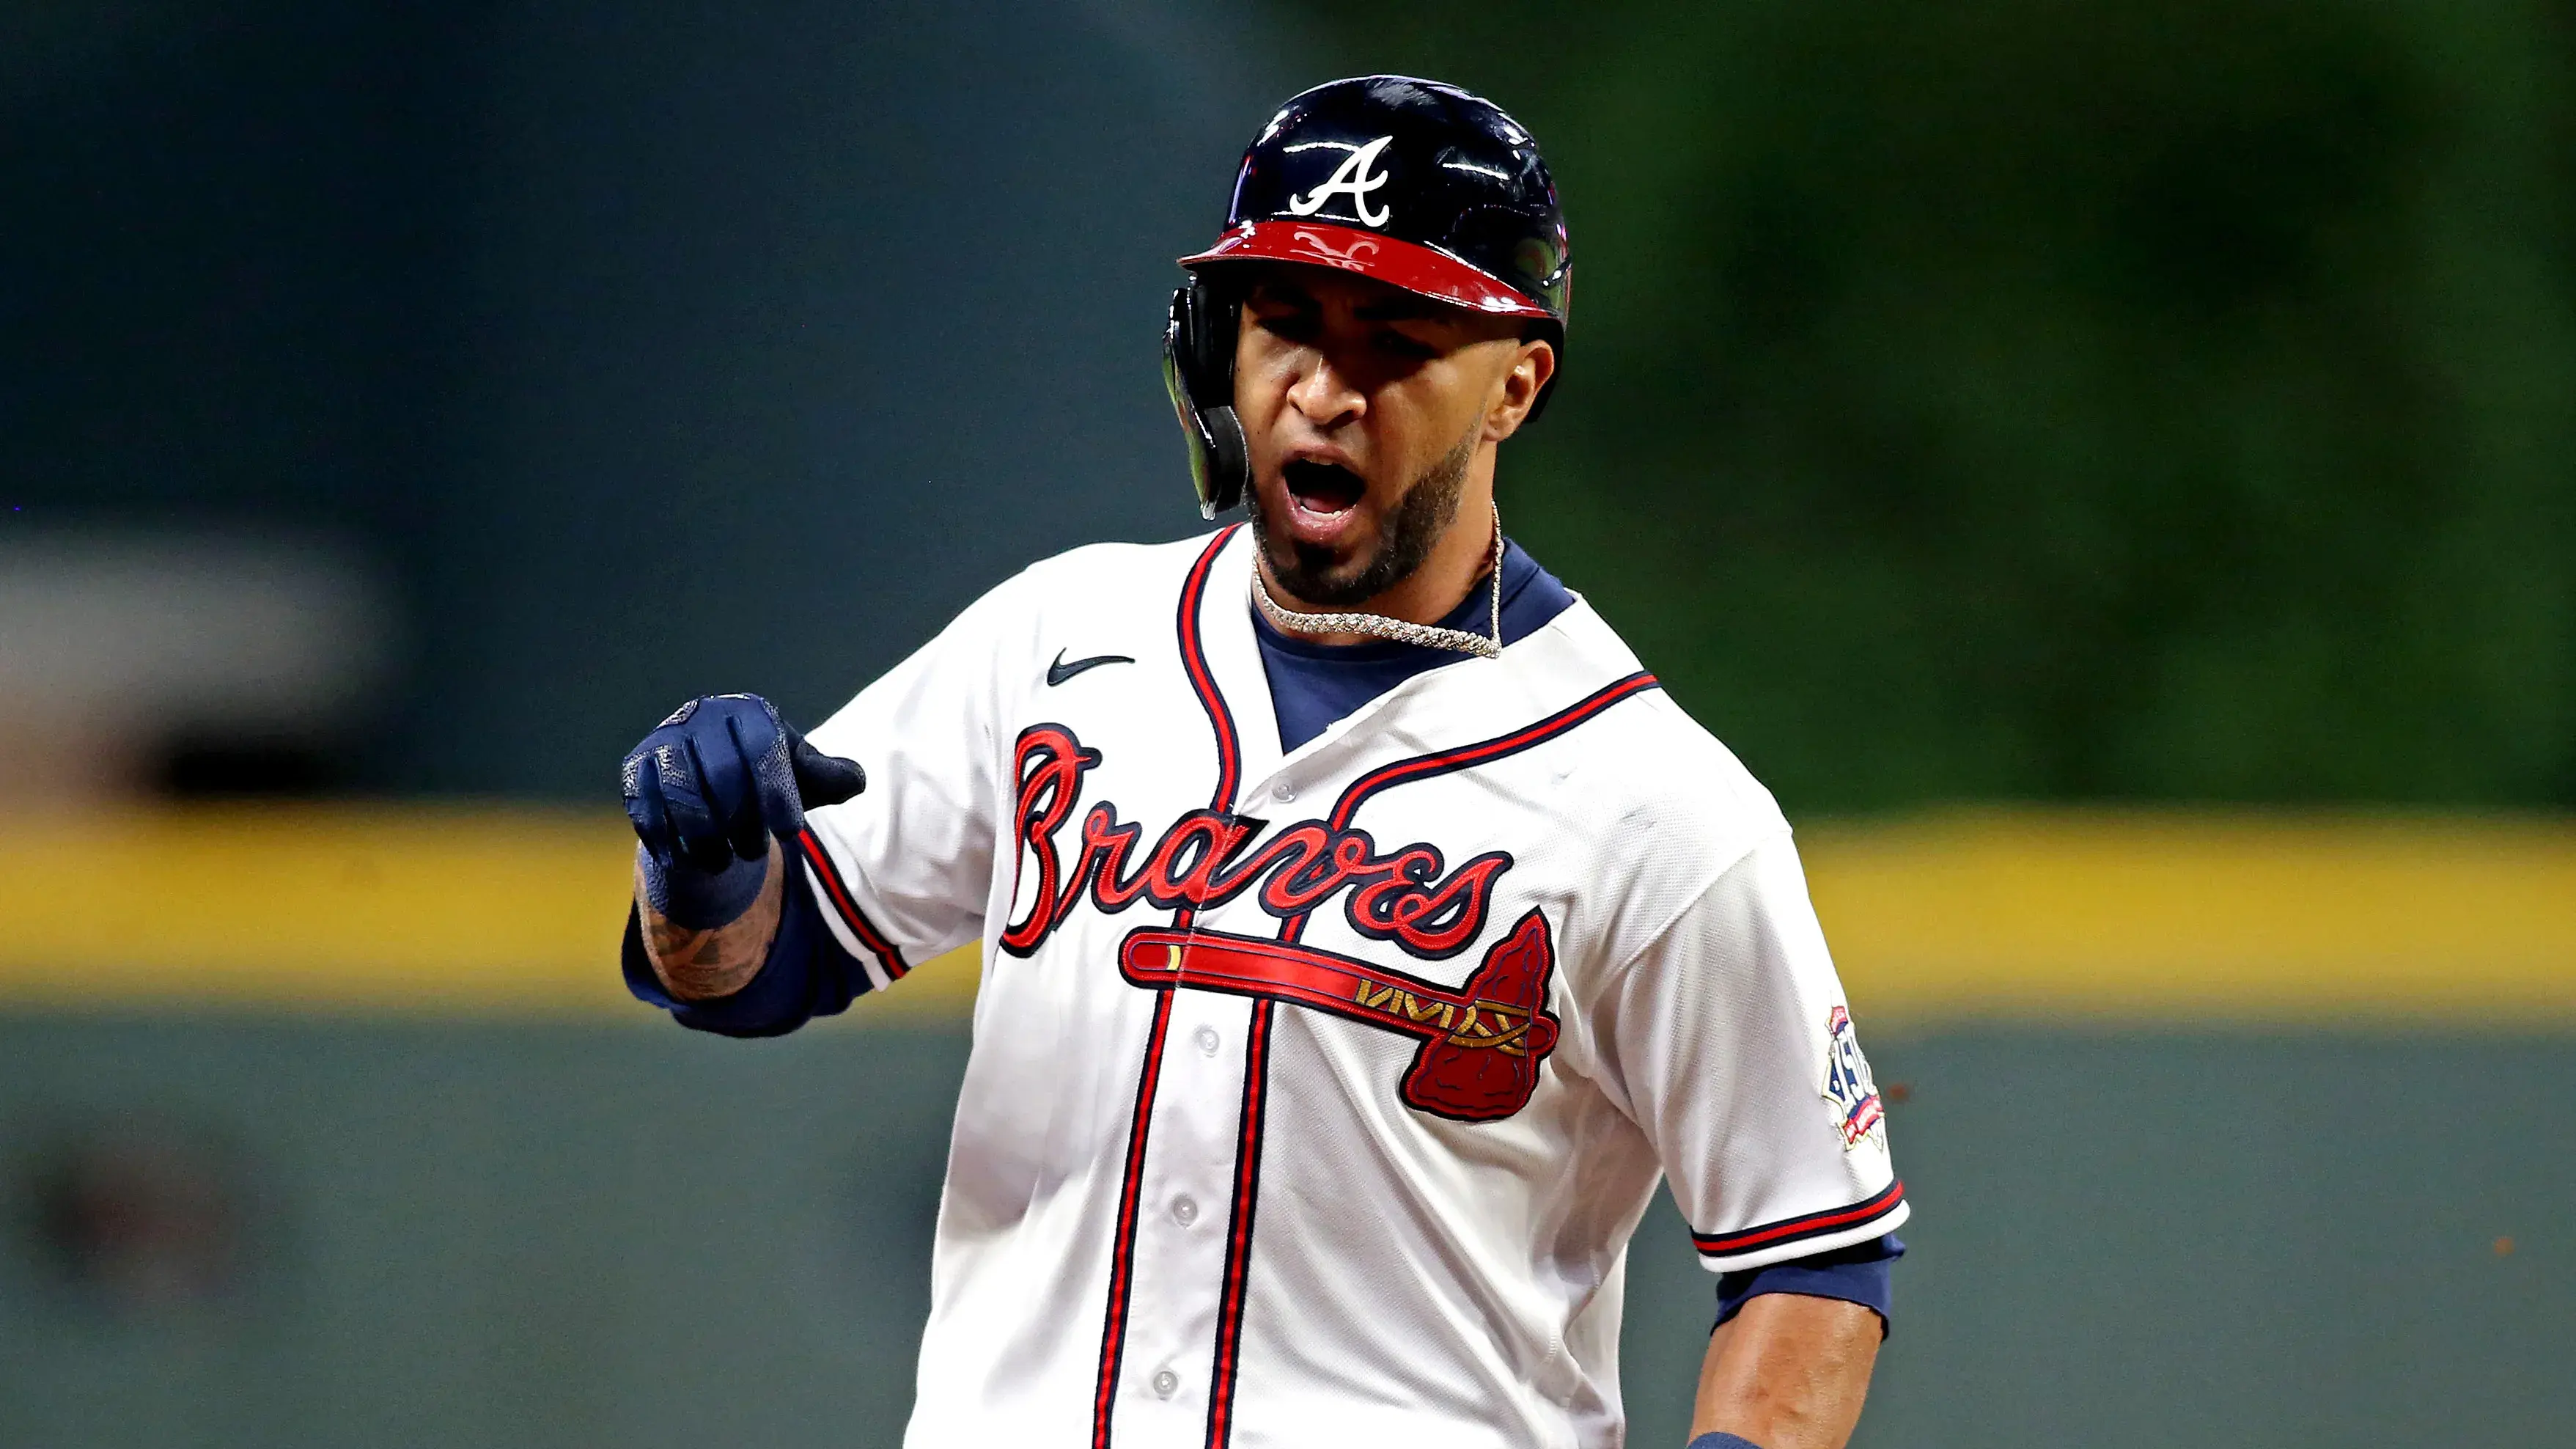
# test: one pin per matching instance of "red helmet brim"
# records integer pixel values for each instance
(1418, 269)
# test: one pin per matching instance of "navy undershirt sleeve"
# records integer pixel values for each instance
(1312, 684)
(1857, 1274)
(806, 975)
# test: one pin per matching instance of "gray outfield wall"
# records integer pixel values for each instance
(219, 1232)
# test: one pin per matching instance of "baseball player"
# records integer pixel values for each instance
(1364, 932)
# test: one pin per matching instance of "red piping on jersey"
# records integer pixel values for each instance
(1539, 732)
(1113, 1329)
(1238, 1233)
(1811, 1225)
(1387, 777)
(1229, 771)
(1229, 751)
(838, 892)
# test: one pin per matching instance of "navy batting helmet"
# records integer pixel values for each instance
(1419, 185)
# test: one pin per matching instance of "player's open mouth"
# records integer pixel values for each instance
(1326, 490)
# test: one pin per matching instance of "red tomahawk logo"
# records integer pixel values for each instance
(1481, 1043)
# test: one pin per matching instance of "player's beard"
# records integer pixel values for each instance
(1316, 575)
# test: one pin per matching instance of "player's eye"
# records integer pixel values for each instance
(1398, 344)
(1290, 324)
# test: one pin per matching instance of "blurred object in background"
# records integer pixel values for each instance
(648, 349)
(135, 664)
(137, 1215)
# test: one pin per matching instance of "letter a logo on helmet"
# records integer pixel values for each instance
(1354, 178)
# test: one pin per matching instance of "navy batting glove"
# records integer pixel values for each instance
(708, 788)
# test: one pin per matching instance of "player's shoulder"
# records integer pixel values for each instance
(1668, 773)
(1665, 809)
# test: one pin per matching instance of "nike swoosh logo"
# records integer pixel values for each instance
(1060, 671)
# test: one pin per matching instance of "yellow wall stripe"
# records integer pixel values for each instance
(2250, 918)
(2047, 914)
(463, 909)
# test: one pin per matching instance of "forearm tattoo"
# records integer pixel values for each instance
(700, 965)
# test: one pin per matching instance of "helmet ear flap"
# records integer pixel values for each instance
(1198, 371)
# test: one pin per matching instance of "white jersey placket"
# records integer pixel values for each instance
(1191, 1205)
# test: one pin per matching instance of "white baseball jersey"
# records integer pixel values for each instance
(1314, 1098)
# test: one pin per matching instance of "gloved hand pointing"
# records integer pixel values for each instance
(723, 774)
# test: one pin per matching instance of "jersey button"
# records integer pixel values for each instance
(1166, 1383)
(1206, 1038)
(1185, 1211)
(1283, 792)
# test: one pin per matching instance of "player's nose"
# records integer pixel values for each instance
(1324, 394)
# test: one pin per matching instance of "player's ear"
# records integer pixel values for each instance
(1522, 384)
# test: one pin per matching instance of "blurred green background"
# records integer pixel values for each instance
(2170, 405)
(2172, 401)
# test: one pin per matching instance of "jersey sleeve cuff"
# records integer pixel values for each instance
(1805, 1235)
(837, 907)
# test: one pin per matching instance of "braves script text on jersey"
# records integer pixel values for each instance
(1315, 1096)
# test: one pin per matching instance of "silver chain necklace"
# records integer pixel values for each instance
(1403, 631)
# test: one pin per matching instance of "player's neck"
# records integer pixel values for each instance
(1429, 594)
